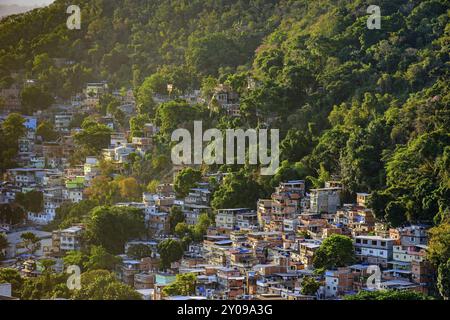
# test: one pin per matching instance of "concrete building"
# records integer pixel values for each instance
(325, 200)
(374, 250)
(233, 219)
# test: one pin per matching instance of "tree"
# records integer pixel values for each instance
(12, 276)
(170, 251)
(439, 244)
(47, 264)
(438, 254)
(200, 229)
(31, 241)
(104, 286)
(75, 258)
(208, 53)
(111, 227)
(144, 97)
(157, 83)
(139, 251)
(294, 146)
(34, 98)
(182, 229)
(238, 190)
(32, 201)
(70, 213)
(184, 285)
(334, 252)
(310, 286)
(185, 180)
(137, 124)
(93, 137)
(152, 186)
(103, 190)
(176, 216)
(387, 295)
(11, 130)
(443, 280)
(46, 131)
(12, 213)
(129, 188)
(177, 114)
(100, 259)
(47, 286)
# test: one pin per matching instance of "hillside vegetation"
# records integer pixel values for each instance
(368, 106)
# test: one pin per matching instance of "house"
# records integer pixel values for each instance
(142, 144)
(53, 198)
(68, 239)
(338, 282)
(147, 294)
(286, 203)
(165, 189)
(91, 168)
(11, 97)
(74, 189)
(6, 291)
(230, 283)
(403, 258)
(423, 274)
(17, 247)
(242, 258)
(118, 139)
(290, 225)
(127, 270)
(225, 99)
(150, 130)
(374, 250)
(119, 154)
(62, 121)
(231, 219)
(26, 177)
(264, 211)
(362, 199)
(307, 249)
(325, 200)
(93, 93)
(158, 223)
(410, 236)
(144, 280)
(196, 203)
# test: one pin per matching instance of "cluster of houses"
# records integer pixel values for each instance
(264, 253)
(258, 254)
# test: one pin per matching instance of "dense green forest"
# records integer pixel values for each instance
(370, 107)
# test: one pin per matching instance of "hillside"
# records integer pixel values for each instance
(367, 106)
